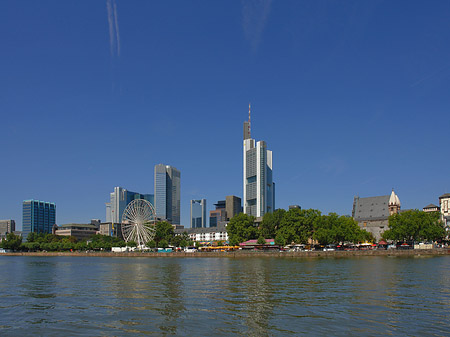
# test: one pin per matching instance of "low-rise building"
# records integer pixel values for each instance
(444, 201)
(111, 229)
(431, 208)
(79, 231)
(6, 227)
(209, 234)
(372, 213)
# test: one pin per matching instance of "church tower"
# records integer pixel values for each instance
(394, 203)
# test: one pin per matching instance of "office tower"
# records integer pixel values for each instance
(198, 213)
(6, 227)
(119, 200)
(167, 193)
(219, 215)
(259, 189)
(38, 217)
(232, 206)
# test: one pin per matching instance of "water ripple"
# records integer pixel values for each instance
(91, 296)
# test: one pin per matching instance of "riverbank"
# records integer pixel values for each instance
(243, 254)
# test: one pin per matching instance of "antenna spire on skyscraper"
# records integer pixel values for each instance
(249, 124)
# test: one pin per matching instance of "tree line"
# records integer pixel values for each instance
(416, 226)
(299, 226)
(164, 236)
(304, 226)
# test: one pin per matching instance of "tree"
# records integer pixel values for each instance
(131, 244)
(280, 239)
(31, 246)
(163, 243)
(333, 228)
(31, 237)
(271, 222)
(151, 244)
(163, 231)
(415, 225)
(297, 225)
(261, 240)
(241, 228)
(12, 242)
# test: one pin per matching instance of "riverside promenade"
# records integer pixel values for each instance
(246, 254)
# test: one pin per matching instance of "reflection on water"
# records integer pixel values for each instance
(224, 296)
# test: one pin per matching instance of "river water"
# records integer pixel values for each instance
(95, 296)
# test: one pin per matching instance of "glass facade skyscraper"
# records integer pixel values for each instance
(198, 213)
(38, 217)
(259, 188)
(167, 193)
(119, 200)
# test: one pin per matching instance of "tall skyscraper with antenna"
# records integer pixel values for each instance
(259, 188)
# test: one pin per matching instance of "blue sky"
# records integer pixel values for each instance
(352, 97)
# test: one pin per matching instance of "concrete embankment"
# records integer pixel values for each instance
(245, 254)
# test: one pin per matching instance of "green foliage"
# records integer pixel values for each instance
(241, 228)
(415, 225)
(163, 243)
(151, 244)
(297, 225)
(164, 231)
(261, 241)
(333, 228)
(271, 222)
(280, 239)
(12, 242)
(51, 242)
(131, 244)
(104, 242)
(31, 246)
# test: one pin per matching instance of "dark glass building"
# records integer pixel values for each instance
(38, 217)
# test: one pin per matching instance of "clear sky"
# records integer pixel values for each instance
(352, 97)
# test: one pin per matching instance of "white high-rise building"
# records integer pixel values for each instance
(167, 193)
(259, 188)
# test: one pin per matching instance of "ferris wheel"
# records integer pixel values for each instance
(138, 222)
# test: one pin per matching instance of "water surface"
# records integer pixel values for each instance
(261, 296)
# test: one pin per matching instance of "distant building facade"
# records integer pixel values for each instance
(444, 202)
(431, 208)
(111, 229)
(233, 206)
(79, 231)
(219, 215)
(198, 213)
(259, 188)
(225, 210)
(167, 193)
(119, 200)
(210, 234)
(372, 213)
(6, 227)
(37, 217)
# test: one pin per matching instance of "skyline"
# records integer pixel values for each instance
(350, 97)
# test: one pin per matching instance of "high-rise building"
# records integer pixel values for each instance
(232, 206)
(198, 213)
(259, 188)
(219, 215)
(119, 200)
(6, 227)
(38, 217)
(167, 193)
